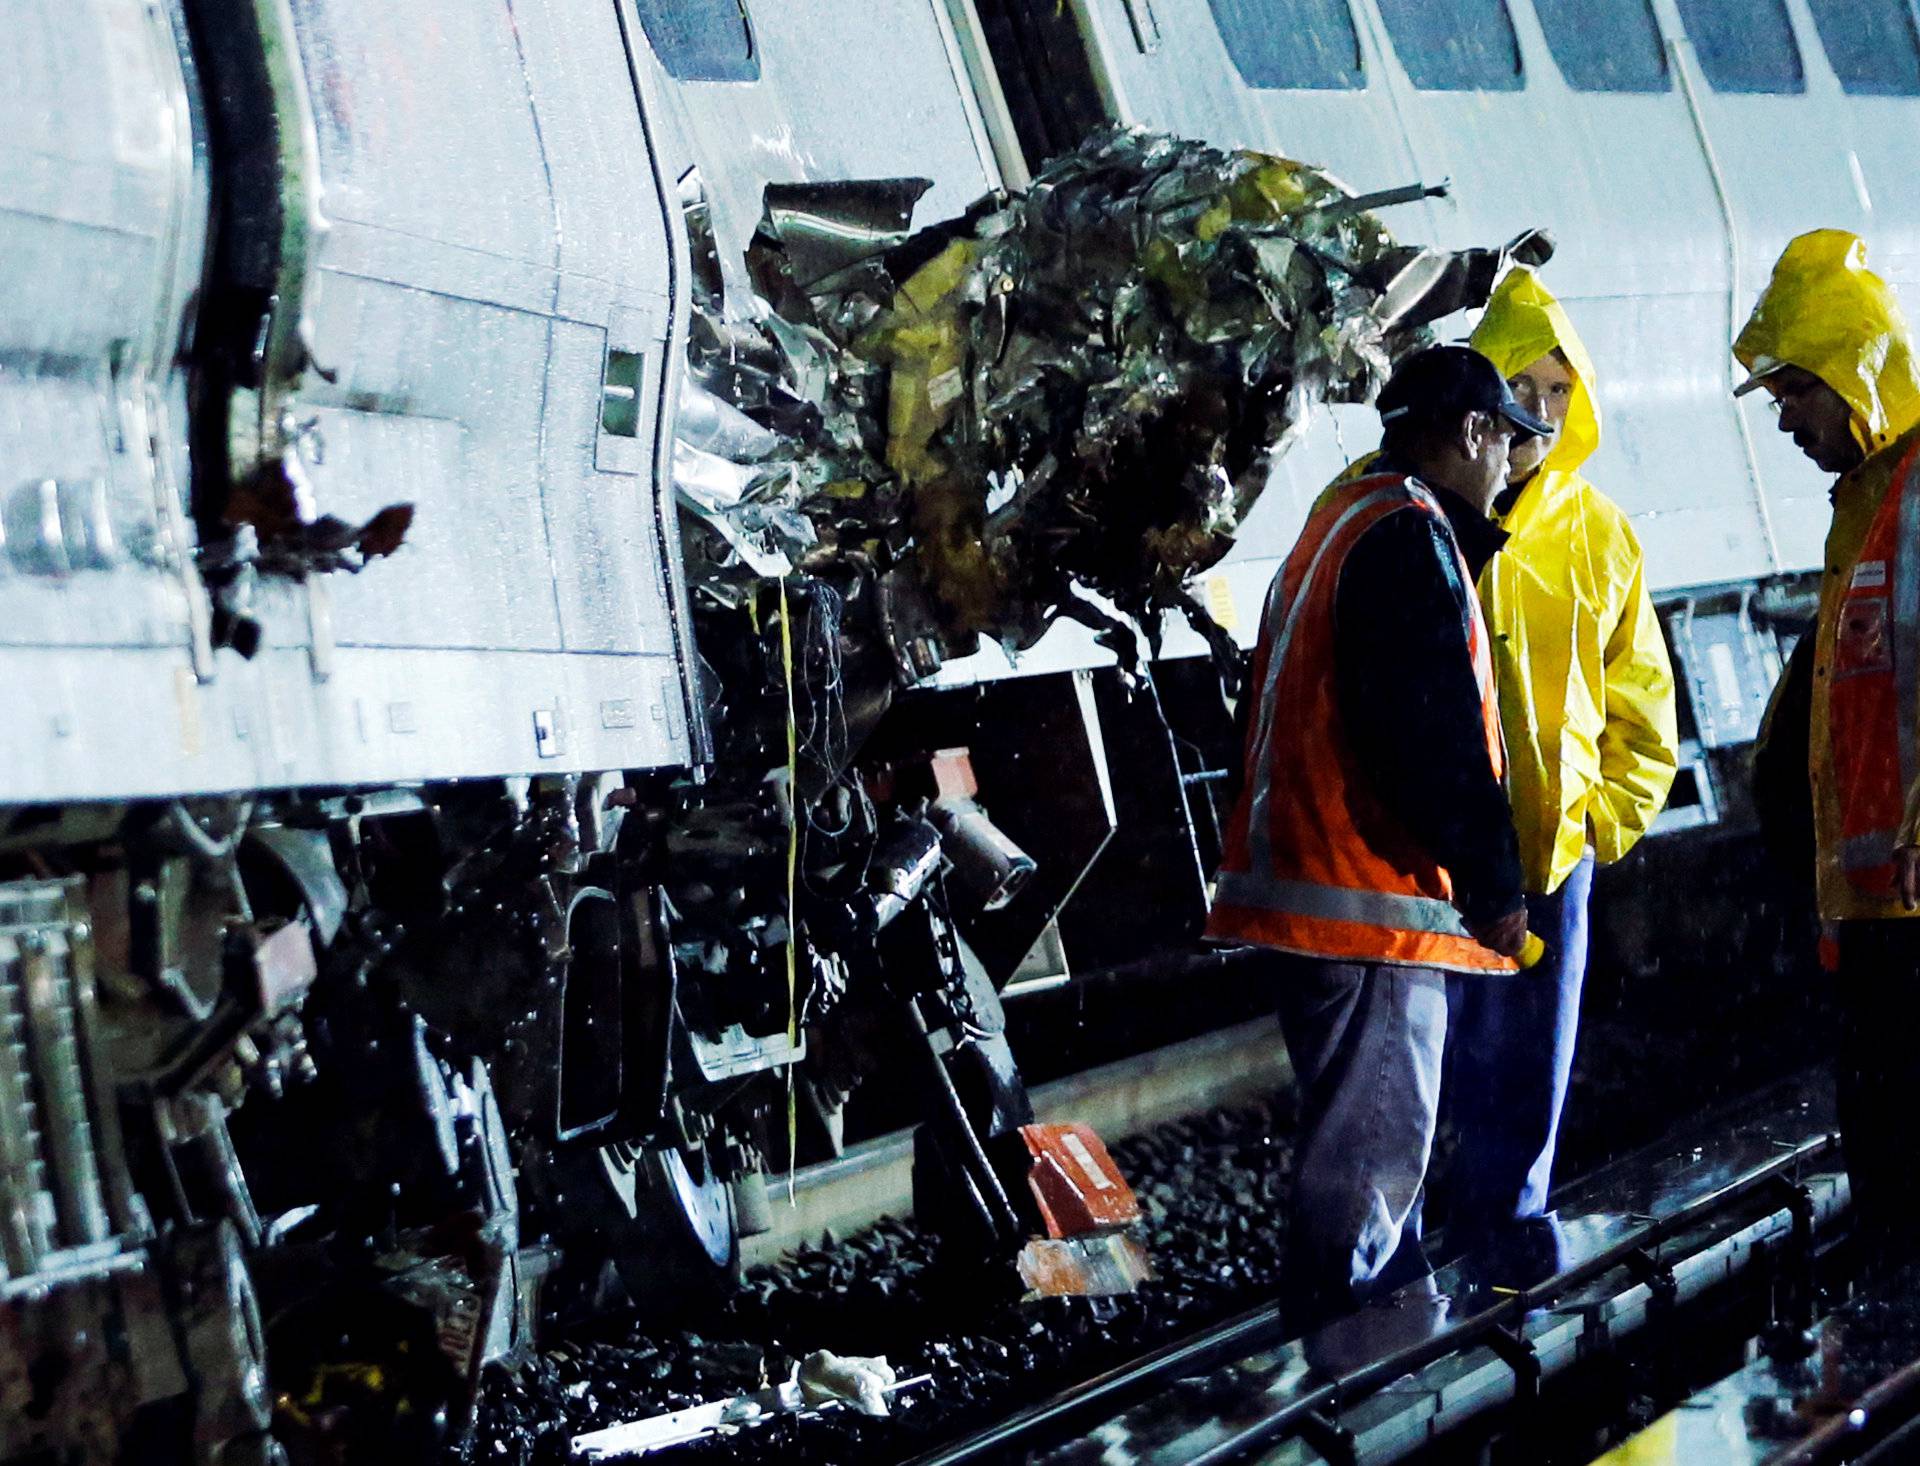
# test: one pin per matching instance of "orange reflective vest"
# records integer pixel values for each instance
(1313, 862)
(1875, 687)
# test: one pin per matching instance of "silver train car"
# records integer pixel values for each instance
(377, 937)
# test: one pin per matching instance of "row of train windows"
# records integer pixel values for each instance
(1599, 45)
(1452, 45)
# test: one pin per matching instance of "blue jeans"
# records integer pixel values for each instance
(1366, 1041)
(1509, 1056)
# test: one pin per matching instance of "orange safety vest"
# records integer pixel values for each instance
(1875, 686)
(1312, 861)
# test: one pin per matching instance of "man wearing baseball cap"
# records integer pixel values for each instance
(1373, 851)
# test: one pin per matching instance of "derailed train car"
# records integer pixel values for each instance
(197, 357)
(380, 934)
(388, 962)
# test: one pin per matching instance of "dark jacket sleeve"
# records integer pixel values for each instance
(1403, 669)
(1782, 793)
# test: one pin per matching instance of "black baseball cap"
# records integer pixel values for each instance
(1444, 381)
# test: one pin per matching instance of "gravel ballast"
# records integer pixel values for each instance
(1212, 1191)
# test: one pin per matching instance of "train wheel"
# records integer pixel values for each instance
(225, 1344)
(683, 1244)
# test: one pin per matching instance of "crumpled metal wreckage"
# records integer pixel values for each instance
(1058, 402)
(892, 443)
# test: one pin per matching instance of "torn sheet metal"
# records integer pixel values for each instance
(825, 228)
(1060, 402)
(821, 1382)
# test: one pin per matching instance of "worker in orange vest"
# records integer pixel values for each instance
(1372, 851)
(1829, 345)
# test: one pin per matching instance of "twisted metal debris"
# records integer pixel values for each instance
(1063, 396)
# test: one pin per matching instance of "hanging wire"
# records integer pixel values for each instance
(793, 868)
(824, 737)
(823, 731)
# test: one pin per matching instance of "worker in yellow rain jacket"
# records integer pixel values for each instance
(1586, 701)
(1829, 345)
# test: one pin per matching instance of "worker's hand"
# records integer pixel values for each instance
(1504, 935)
(1906, 864)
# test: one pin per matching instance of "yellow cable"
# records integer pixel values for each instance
(793, 867)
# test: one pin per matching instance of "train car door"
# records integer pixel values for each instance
(487, 319)
(808, 91)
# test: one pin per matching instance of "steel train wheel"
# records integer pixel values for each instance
(681, 1244)
(694, 1198)
(225, 1344)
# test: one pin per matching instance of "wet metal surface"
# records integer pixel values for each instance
(1441, 1326)
(102, 223)
(489, 247)
(1788, 1402)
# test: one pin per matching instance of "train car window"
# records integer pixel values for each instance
(1605, 45)
(1745, 45)
(1455, 45)
(701, 40)
(1314, 49)
(1871, 44)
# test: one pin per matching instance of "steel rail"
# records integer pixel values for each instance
(1875, 1413)
(1845, 1389)
(1105, 1395)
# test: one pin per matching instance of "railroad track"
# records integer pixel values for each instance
(1643, 1247)
(1202, 1135)
(874, 1178)
(1635, 1246)
(1846, 1389)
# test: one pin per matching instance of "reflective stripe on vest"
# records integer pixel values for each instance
(1873, 691)
(1340, 903)
(1869, 851)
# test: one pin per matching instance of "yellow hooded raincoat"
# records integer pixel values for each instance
(1586, 688)
(1825, 312)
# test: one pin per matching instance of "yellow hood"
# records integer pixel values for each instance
(1522, 324)
(1586, 690)
(1825, 312)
